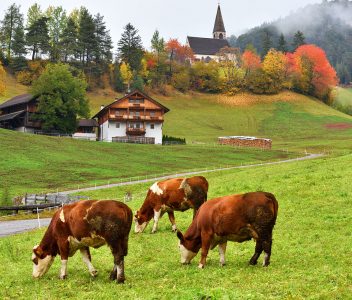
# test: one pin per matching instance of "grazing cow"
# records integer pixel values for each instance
(236, 218)
(177, 194)
(81, 225)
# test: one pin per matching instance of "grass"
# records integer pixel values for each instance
(344, 96)
(37, 163)
(13, 88)
(310, 260)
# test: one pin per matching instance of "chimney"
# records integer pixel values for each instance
(101, 107)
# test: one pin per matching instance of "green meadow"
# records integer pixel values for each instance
(344, 96)
(311, 256)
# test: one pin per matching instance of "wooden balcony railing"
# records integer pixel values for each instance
(135, 131)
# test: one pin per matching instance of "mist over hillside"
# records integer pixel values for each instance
(328, 25)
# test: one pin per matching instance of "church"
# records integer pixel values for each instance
(205, 49)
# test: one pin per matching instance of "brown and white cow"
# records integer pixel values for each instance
(177, 194)
(81, 225)
(235, 218)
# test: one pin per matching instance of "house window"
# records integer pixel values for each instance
(137, 113)
(151, 126)
(152, 113)
(117, 113)
(138, 125)
(117, 125)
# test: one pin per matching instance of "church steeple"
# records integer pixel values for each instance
(219, 31)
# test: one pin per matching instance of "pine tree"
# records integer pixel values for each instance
(282, 46)
(68, 40)
(19, 42)
(267, 43)
(34, 14)
(130, 48)
(103, 44)
(13, 20)
(37, 37)
(117, 80)
(86, 36)
(298, 40)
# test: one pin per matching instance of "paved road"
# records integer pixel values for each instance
(13, 227)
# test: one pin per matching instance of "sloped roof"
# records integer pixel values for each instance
(129, 95)
(219, 22)
(20, 99)
(11, 116)
(206, 46)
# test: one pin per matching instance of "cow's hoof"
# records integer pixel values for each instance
(201, 266)
(113, 276)
(94, 273)
(121, 280)
(62, 277)
(266, 264)
(222, 264)
(252, 262)
(174, 229)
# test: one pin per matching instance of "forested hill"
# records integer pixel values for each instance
(328, 25)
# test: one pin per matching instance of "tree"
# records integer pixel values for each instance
(282, 46)
(2, 80)
(250, 61)
(205, 77)
(229, 61)
(267, 42)
(86, 36)
(274, 66)
(117, 80)
(126, 74)
(68, 40)
(172, 47)
(158, 68)
(298, 40)
(62, 98)
(130, 49)
(103, 44)
(37, 37)
(11, 27)
(57, 21)
(34, 14)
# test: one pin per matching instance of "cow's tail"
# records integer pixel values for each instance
(275, 204)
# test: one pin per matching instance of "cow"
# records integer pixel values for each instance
(84, 224)
(235, 218)
(177, 194)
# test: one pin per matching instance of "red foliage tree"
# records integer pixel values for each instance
(250, 61)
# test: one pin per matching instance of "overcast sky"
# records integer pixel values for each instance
(175, 18)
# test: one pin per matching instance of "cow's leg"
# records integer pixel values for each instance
(87, 259)
(119, 252)
(172, 220)
(206, 241)
(157, 214)
(258, 251)
(267, 250)
(64, 249)
(222, 251)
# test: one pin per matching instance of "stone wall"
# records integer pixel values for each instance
(242, 141)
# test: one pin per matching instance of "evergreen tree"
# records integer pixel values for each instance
(282, 46)
(13, 20)
(57, 21)
(117, 80)
(37, 37)
(86, 36)
(19, 42)
(267, 43)
(68, 40)
(103, 44)
(34, 14)
(158, 48)
(130, 48)
(298, 40)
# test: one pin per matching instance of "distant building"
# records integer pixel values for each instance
(205, 49)
(135, 117)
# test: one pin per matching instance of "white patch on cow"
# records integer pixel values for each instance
(156, 220)
(94, 241)
(140, 228)
(43, 265)
(186, 255)
(222, 251)
(156, 189)
(119, 271)
(174, 228)
(87, 261)
(62, 216)
(201, 266)
(266, 256)
(63, 270)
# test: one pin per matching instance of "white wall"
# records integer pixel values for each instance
(156, 133)
(113, 131)
(25, 129)
(104, 132)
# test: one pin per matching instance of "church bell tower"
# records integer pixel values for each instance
(219, 31)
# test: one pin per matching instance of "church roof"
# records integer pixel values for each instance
(206, 46)
(219, 22)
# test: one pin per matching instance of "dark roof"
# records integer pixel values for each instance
(21, 99)
(129, 95)
(87, 123)
(206, 46)
(11, 116)
(219, 23)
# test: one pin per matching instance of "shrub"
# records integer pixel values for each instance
(181, 81)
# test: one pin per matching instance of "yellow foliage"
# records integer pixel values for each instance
(2, 80)
(126, 73)
(274, 66)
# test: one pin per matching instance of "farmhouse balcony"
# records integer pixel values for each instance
(135, 131)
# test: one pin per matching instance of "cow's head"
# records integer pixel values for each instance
(41, 261)
(140, 222)
(186, 254)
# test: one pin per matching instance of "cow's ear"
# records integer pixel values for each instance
(180, 236)
(38, 251)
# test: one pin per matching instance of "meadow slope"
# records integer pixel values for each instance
(310, 257)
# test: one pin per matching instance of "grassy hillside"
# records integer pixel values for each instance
(310, 256)
(13, 88)
(344, 96)
(31, 163)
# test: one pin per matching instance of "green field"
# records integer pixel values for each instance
(344, 96)
(311, 256)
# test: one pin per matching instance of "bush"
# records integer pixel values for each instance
(181, 81)
(173, 140)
